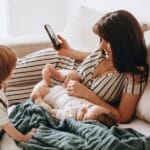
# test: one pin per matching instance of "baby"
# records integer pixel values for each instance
(61, 105)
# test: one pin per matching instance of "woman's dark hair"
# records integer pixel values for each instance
(123, 32)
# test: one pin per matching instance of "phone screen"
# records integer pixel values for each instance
(53, 37)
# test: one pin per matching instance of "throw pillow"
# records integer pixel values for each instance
(144, 105)
(78, 30)
(147, 40)
(28, 73)
(142, 111)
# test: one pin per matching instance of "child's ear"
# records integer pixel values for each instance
(4, 86)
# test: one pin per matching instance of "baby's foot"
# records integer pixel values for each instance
(55, 73)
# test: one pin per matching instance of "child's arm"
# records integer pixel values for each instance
(15, 134)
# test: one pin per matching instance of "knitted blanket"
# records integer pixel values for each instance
(69, 134)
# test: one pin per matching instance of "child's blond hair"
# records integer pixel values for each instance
(8, 61)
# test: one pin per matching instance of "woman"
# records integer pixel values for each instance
(117, 72)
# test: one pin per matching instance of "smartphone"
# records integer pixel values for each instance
(53, 37)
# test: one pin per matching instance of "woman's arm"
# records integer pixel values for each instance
(125, 110)
(72, 75)
(123, 113)
(15, 134)
(66, 50)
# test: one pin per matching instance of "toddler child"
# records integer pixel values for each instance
(8, 61)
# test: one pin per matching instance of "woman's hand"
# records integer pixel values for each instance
(65, 48)
(71, 76)
(75, 88)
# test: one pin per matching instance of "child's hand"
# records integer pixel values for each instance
(30, 134)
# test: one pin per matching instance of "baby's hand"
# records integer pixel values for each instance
(35, 95)
(30, 134)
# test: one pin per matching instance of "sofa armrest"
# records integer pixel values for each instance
(27, 44)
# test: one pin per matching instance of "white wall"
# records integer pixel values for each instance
(27, 17)
(140, 8)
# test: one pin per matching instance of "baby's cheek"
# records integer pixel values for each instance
(90, 116)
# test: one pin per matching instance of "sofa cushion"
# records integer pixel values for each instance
(147, 40)
(78, 31)
(144, 105)
(142, 111)
(145, 26)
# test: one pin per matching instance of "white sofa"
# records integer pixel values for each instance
(79, 34)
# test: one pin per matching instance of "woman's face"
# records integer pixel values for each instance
(104, 45)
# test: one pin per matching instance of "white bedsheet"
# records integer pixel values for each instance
(7, 143)
(139, 125)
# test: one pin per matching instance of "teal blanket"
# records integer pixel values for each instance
(68, 134)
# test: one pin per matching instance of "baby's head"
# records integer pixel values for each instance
(95, 112)
(8, 61)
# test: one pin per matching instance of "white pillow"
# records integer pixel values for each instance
(78, 31)
(147, 40)
(143, 108)
(144, 103)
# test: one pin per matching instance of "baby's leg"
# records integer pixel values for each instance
(42, 103)
(40, 90)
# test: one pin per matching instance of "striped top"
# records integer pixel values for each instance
(108, 87)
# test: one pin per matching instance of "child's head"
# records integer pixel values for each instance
(95, 112)
(8, 61)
